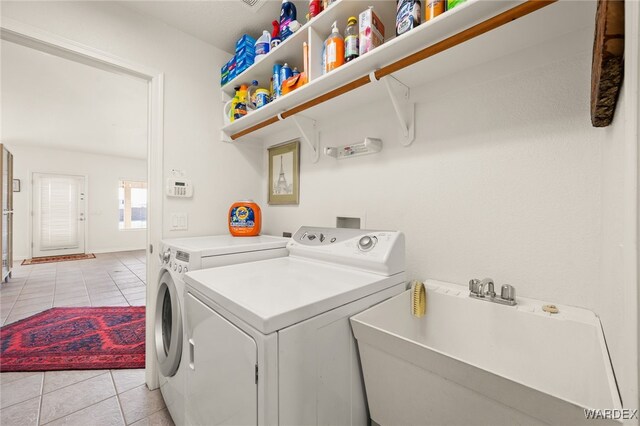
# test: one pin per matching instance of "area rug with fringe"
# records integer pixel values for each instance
(53, 259)
(75, 339)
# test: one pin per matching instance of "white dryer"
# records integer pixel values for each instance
(180, 255)
(270, 342)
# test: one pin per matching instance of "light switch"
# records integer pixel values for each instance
(179, 221)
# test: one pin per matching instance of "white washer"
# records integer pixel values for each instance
(180, 255)
(270, 342)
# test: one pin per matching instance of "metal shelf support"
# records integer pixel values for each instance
(309, 133)
(405, 109)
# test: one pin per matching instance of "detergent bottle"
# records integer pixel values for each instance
(408, 15)
(287, 14)
(242, 95)
(263, 46)
(245, 219)
(315, 7)
(334, 49)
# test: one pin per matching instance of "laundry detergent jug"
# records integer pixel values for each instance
(245, 219)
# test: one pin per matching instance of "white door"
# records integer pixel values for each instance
(58, 214)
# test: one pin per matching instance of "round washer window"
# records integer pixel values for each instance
(166, 322)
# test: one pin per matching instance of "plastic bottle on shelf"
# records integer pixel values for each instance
(453, 3)
(275, 35)
(408, 15)
(263, 45)
(315, 7)
(351, 39)
(240, 109)
(434, 8)
(295, 71)
(334, 49)
(287, 14)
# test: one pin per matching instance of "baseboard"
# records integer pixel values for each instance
(113, 250)
(20, 258)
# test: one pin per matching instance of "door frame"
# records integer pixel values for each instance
(32, 216)
(35, 38)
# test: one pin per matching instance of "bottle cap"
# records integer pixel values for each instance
(352, 19)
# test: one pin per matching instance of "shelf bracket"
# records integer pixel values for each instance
(405, 109)
(225, 137)
(309, 133)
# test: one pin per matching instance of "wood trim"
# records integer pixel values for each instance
(3, 187)
(607, 69)
(11, 216)
(483, 27)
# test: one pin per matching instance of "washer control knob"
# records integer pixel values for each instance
(175, 266)
(366, 243)
(180, 268)
(166, 256)
(311, 237)
(186, 269)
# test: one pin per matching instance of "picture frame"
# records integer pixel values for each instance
(284, 173)
(16, 185)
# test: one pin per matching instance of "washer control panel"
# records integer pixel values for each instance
(175, 260)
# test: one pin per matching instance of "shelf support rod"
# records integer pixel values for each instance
(405, 109)
(309, 133)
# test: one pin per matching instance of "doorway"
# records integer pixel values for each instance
(38, 39)
(58, 226)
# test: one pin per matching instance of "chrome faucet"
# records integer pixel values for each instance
(485, 290)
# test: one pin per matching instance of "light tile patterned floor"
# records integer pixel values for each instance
(81, 397)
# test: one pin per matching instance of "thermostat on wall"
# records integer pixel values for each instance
(179, 188)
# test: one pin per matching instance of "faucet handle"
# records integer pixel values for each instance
(473, 285)
(508, 292)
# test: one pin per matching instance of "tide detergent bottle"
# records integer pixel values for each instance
(245, 219)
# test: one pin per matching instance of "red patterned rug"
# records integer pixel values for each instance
(75, 339)
(53, 259)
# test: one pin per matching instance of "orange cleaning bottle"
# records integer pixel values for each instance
(334, 49)
(245, 219)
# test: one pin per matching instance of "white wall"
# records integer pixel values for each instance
(506, 178)
(221, 173)
(514, 188)
(103, 173)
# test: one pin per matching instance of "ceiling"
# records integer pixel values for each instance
(56, 103)
(217, 22)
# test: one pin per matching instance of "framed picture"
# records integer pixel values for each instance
(284, 173)
(16, 185)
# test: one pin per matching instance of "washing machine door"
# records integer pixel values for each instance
(168, 326)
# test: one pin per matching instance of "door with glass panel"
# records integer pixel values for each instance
(58, 214)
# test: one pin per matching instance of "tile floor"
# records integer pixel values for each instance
(81, 397)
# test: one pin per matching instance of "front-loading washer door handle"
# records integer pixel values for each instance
(192, 347)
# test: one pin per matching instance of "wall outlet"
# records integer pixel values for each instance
(179, 221)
